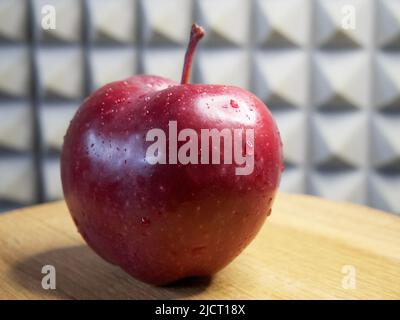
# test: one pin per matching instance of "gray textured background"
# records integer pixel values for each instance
(335, 93)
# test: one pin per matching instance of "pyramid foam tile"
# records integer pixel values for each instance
(340, 80)
(278, 78)
(387, 81)
(55, 119)
(52, 180)
(385, 151)
(17, 179)
(16, 115)
(293, 180)
(13, 17)
(385, 191)
(339, 140)
(160, 22)
(292, 126)
(347, 185)
(224, 66)
(227, 21)
(61, 71)
(164, 62)
(112, 64)
(388, 24)
(343, 23)
(114, 21)
(281, 23)
(14, 71)
(68, 20)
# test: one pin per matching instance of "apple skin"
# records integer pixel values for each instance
(161, 223)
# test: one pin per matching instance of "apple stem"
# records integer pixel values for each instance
(196, 34)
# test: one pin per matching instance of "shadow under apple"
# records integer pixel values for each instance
(81, 274)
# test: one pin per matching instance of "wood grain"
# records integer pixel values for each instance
(299, 253)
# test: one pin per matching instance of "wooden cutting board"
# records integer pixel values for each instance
(309, 248)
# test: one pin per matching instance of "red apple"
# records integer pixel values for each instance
(164, 222)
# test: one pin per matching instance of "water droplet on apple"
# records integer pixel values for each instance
(234, 104)
(145, 221)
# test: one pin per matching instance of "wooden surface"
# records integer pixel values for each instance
(299, 253)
